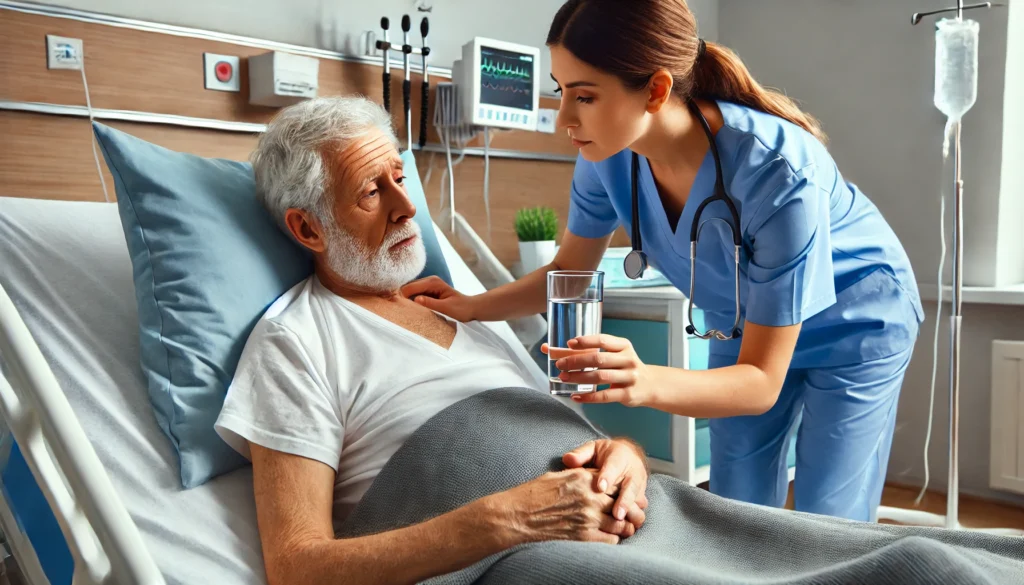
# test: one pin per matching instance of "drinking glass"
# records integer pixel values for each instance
(575, 298)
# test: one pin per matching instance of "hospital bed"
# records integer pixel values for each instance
(67, 270)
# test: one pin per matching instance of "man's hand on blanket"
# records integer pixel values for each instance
(621, 467)
(559, 505)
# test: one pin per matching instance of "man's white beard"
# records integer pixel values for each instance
(380, 270)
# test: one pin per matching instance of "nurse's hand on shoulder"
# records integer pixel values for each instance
(612, 361)
(437, 295)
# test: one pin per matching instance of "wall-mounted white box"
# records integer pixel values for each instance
(279, 79)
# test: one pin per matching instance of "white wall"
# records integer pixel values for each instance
(868, 75)
(337, 25)
(1010, 258)
(706, 12)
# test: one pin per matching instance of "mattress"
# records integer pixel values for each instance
(67, 270)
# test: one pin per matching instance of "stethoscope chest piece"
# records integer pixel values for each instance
(635, 264)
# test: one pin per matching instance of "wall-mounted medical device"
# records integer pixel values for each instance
(279, 79)
(498, 84)
(495, 85)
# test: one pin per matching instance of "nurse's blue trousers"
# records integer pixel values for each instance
(846, 419)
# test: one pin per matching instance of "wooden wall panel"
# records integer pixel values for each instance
(50, 157)
(138, 70)
(43, 157)
(144, 71)
(512, 187)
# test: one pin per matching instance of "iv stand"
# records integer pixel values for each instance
(956, 316)
(951, 519)
(955, 321)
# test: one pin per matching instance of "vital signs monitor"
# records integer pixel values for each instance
(499, 84)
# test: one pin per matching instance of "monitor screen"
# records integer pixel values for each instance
(506, 78)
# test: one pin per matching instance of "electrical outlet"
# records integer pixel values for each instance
(64, 52)
(546, 120)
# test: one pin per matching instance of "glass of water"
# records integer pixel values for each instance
(574, 309)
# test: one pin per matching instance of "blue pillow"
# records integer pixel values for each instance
(207, 261)
(436, 264)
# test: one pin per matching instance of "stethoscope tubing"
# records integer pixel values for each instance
(636, 260)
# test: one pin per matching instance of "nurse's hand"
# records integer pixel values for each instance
(615, 364)
(436, 295)
(622, 467)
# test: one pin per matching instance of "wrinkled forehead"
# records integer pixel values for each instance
(363, 160)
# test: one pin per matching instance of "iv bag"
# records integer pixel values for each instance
(956, 67)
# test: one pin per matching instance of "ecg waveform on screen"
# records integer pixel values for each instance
(504, 77)
(506, 87)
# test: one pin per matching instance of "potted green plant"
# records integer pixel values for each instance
(536, 229)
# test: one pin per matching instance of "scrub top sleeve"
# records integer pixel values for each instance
(790, 272)
(591, 214)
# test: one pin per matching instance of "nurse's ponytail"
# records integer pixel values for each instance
(720, 74)
(632, 39)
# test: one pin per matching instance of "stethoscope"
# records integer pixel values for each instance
(636, 260)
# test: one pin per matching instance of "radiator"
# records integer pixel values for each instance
(1006, 469)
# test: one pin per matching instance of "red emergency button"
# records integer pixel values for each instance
(223, 70)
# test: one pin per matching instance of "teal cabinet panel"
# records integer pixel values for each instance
(649, 338)
(652, 429)
(702, 446)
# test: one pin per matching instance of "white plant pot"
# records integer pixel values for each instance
(533, 255)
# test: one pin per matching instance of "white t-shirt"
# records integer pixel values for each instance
(323, 378)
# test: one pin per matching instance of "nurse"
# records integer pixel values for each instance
(828, 302)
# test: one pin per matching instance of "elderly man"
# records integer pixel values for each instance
(342, 369)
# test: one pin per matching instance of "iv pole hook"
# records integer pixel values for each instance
(959, 9)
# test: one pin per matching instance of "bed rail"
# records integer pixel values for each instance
(103, 539)
(492, 273)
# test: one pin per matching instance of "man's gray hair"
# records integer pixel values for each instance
(289, 160)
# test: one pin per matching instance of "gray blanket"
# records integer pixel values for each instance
(502, 438)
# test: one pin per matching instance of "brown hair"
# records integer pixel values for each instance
(632, 39)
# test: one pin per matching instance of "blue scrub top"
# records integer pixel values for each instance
(815, 249)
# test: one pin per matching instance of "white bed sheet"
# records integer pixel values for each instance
(66, 267)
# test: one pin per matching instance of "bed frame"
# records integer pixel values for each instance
(103, 540)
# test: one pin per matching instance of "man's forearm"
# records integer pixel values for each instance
(441, 545)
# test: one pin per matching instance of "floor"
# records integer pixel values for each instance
(973, 512)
